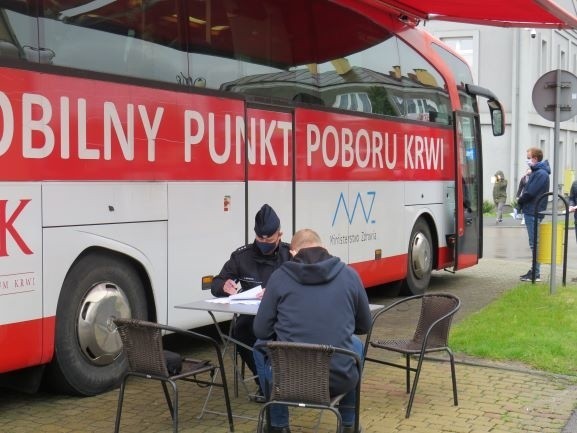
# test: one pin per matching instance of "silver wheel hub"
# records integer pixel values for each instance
(421, 256)
(97, 335)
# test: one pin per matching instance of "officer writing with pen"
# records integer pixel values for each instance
(251, 265)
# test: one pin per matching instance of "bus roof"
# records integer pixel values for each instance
(509, 13)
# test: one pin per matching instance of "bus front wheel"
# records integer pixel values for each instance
(420, 259)
(87, 347)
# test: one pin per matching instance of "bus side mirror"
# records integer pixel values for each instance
(495, 107)
(497, 117)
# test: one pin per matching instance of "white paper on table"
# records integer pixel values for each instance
(245, 301)
(247, 294)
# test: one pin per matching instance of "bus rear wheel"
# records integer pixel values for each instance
(420, 259)
(87, 348)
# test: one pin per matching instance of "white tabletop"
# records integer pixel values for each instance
(237, 308)
(250, 309)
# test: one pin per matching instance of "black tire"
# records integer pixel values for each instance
(420, 259)
(87, 349)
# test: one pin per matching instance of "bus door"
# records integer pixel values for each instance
(468, 187)
(269, 166)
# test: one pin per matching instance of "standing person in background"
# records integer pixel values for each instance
(520, 188)
(537, 185)
(500, 194)
(252, 265)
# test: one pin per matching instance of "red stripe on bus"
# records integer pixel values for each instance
(467, 260)
(446, 257)
(77, 129)
(26, 344)
(375, 272)
(48, 330)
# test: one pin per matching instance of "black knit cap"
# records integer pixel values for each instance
(266, 221)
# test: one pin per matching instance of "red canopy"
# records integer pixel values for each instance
(503, 13)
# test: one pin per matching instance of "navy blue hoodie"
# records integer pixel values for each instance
(537, 184)
(316, 299)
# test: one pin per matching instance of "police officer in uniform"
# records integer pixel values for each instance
(252, 265)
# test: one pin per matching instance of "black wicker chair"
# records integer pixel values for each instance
(300, 378)
(142, 346)
(431, 335)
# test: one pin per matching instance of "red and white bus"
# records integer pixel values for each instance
(139, 138)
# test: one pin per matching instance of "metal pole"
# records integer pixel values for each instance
(553, 276)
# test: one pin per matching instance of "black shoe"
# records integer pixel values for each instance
(257, 397)
(529, 277)
(273, 429)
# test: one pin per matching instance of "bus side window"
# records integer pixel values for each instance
(18, 33)
(427, 98)
(307, 98)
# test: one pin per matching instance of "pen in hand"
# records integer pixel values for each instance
(231, 287)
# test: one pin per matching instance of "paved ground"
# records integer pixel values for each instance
(495, 398)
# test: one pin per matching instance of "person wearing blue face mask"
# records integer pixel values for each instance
(251, 265)
(538, 183)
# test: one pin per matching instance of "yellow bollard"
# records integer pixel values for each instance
(544, 244)
(568, 178)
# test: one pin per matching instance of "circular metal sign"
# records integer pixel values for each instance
(545, 94)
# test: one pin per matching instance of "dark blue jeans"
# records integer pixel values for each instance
(530, 222)
(279, 415)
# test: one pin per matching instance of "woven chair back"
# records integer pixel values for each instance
(142, 346)
(300, 372)
(433, 307)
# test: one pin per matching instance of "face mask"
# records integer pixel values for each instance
(529, 162)
(266, 247)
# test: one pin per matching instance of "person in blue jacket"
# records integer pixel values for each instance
(537, 184)
(313, 285)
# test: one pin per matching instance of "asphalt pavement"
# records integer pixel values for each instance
(494, 397)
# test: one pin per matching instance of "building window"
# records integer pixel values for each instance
(466, 44)
(543, 57)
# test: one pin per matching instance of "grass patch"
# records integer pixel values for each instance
(526, 324)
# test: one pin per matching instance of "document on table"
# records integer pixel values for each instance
(246, 297)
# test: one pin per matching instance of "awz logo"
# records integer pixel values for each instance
(361, 205)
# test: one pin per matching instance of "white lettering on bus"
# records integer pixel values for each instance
(7, 123)
(29, 125)
(426, 154)
(262, 134)
(64, 127)
(265, 141)
(37, 113)
(195, 129)
(126, 140)
(190, 140)
(151, 130)
(84, 152)
(362, 147)
(286, 128)
(390, 162)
